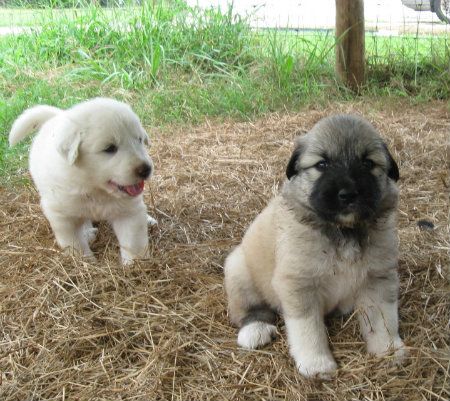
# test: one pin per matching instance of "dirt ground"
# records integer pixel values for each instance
(73, 330)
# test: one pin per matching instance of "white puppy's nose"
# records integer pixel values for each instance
(143, 171)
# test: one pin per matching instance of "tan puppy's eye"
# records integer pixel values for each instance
(322, 165)
(369, 164)
(110, 149)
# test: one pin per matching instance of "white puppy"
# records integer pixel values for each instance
(89, 163)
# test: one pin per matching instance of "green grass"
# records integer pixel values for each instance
(176, 64)
(35, 17)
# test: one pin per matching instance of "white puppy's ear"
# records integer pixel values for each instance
(69, 141)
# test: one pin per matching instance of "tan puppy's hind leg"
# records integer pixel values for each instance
(246, 307)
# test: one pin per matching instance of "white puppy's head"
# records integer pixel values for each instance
(105, 142)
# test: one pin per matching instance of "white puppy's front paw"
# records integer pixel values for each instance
(91, 234)
(86, 254)
(256, 334)
(317, 366)
(400, 354)
(151, 221)
(129, 258)
(127, 261)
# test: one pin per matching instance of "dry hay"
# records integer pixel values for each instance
(71, 330)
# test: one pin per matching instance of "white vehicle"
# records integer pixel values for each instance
(440, 7)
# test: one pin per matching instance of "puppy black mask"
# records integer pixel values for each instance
(351, 160)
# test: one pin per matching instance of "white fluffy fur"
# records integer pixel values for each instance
(31, 120)
(78, 181)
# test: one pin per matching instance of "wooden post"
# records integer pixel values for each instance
(350, 42)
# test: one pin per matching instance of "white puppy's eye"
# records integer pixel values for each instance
(322, 165)
(110, 148)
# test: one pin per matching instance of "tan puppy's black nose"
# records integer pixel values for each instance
(347, 196)
(143, 171)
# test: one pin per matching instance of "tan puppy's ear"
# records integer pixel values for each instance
(68, 142)
(292, 167)
(393, 172)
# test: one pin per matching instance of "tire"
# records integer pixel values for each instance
(442, 10)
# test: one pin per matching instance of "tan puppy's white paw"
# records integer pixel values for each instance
(395, 348)
(381, 346)
(317, 367)
(256, 334)
(151, 221)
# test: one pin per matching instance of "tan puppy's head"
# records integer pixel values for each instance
(106, 144)
(342, 173)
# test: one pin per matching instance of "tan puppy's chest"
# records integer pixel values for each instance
(340, 283)
(279, 249)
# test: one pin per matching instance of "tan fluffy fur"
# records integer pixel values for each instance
(286, 263)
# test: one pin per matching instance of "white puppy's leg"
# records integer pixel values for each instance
(89, 231)
(245, 306)
(69, 233)
(131, 231)
(378, 316)
(151, 221)
(307, 335)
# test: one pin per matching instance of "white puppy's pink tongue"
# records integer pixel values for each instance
(134, 190)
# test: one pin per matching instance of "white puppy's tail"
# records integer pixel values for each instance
(31, 120)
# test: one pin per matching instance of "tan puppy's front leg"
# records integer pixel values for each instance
(307, 335)
(377, 307)
(131, 232)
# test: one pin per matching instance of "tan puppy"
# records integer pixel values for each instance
(89, 163)
(328, 241)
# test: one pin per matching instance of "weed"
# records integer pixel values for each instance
(176, 63)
